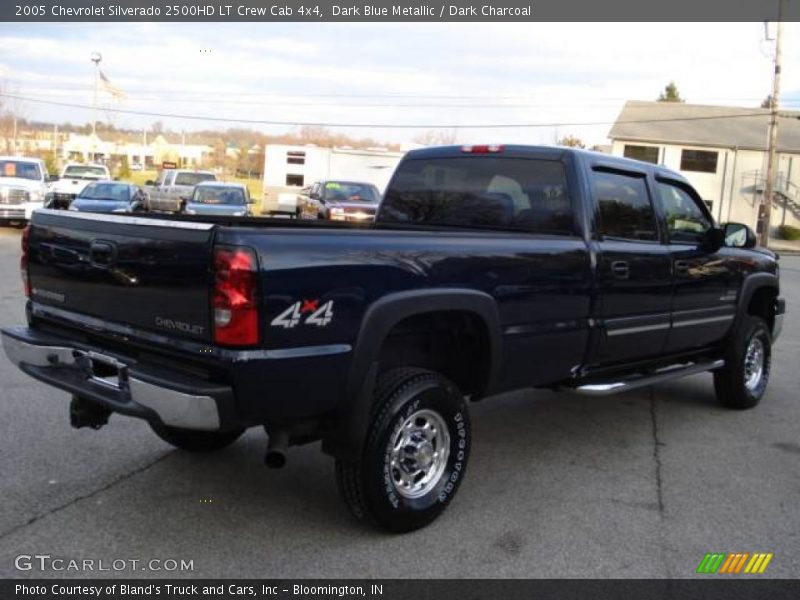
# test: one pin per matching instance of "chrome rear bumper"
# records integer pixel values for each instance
(120, 385)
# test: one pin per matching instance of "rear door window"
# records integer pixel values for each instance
(625, 208)
(481, 192)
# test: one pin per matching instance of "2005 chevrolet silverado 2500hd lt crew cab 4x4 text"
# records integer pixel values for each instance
(488, 268)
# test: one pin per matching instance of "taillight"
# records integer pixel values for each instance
(23, 261)
(235, 300)
(482, 149)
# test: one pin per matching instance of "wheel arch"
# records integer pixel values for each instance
(378, 322)
(757, 297)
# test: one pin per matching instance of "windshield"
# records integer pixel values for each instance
(342, 191)
(20, 169)
(218, 195)
(115, 192)
(85, 171)
(193, 178)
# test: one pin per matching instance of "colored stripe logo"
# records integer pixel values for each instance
(735, 563)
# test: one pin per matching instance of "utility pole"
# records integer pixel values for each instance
(772, 162)
(96, 58)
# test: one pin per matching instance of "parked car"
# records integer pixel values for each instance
(218, 198)
(73, 179)
(338, 200)
(110, 197)
(488, 269)
(22, 187)
(172, 185)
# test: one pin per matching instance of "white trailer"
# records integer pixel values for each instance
(289, 169)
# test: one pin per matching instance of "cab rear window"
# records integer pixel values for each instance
(481, 192)
(192, 178)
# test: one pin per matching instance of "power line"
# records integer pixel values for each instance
(379, 125)
(271, 104)
(189, 95)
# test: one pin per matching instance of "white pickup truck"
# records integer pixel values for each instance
(22, 187)
(74, 177)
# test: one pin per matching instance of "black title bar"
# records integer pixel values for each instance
(701, 587)
(398, 10)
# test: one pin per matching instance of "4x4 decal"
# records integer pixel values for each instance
(307, 312)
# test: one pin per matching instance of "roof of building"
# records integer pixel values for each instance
(702, 125)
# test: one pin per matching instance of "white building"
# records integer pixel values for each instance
(721, 150)
(292, 167)
(149, 153)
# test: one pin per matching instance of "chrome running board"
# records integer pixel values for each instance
(660, 376)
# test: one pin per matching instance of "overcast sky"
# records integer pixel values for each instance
(415, 74)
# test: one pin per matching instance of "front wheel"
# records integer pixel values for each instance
(193, 440)
(742, 382)
(415, 455)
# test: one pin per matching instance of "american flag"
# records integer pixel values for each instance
(115, 92)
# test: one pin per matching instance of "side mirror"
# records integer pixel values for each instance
(149, 182)
(52, 178)
(738, 235)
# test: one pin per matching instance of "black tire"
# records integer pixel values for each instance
(731, 382)
(193, 440)
(369, 486)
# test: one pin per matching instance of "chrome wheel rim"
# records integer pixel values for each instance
(754, 358)
(418, 453)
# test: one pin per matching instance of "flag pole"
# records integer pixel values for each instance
(96, 58)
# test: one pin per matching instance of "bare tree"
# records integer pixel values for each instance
(571, 141)
(437, 137)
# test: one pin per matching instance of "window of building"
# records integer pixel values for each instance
(644, 153)
(686, 221)
(700, 161)
(625, 208)
(294, 180)
(296, 158)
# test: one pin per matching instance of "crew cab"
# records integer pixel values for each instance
(71, 182)
(488, 268)
(172, 186)
(22, 187)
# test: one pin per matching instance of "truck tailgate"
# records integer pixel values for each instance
(148, 273)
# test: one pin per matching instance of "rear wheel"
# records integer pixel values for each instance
(193, 440)
(742, 382)
(415, 455)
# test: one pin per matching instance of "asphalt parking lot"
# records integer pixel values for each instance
(559, 485)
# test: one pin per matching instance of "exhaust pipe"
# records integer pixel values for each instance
(276, 449)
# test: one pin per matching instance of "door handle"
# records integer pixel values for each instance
(620, 269)
(681, 267)
(102, 254)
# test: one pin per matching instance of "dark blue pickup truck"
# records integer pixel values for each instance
(489, 268)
